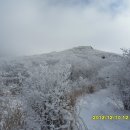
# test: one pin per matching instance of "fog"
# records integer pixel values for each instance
(30, 27)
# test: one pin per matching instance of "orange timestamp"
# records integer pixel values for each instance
(110, 117)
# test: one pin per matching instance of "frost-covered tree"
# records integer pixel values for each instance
(124, 79)
(47, 99)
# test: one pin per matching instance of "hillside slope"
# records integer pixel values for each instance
(81, 59)
(37, 87)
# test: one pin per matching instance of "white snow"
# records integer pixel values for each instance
(102, 103)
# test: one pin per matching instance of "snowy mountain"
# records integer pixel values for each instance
(41, 92)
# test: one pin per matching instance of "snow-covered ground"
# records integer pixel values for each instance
(102, 102)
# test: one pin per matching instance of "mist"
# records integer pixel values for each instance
(30, 27)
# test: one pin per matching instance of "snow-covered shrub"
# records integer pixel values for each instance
(14, 120)
(12, 116)
(46, 89)
(43, 90)
(80, 87)
(82, 70)
(124, 79)
(100, 82)
(75, 94)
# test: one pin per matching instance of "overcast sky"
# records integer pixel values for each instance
(38, 26)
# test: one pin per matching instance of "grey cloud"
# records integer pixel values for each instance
(111, 6)
(32, 27)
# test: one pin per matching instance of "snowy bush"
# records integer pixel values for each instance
(12, 116)
(43, 91)
(14, 120)
(124, 79)
(46, 89)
